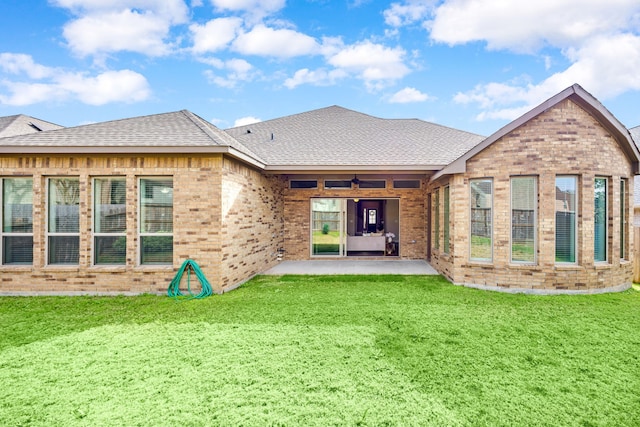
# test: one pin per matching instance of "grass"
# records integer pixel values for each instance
(323, 350)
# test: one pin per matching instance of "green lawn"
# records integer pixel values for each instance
(330, 350)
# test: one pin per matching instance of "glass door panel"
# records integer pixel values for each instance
(327, 227)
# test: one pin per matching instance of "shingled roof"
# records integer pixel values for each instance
(335, 138)
(22, 125)
(176, 132)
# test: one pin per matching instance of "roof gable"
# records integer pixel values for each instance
(22, 125)
(578, 95)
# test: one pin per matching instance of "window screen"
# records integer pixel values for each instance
(109, 221)
(524, 203)
(566, 221)
(600, 220)
(481, 220)
(446, 220)
(156, 221)
(64, 221)
(302, 184)
(17, 220)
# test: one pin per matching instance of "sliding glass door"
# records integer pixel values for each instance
(327, 227)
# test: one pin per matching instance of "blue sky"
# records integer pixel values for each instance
(469, 64)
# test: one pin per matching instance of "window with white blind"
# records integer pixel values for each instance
(600, 220)
(481, 241)
(566, 219)
(445, 227)
(109, 221)
(16, 233)
(156, 221)
(436, 219)
(63, 221)
(624, 218)
(524, 206)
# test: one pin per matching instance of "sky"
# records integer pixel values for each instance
(473, 65)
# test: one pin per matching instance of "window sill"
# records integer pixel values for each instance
(523, 266)
(602, 266)
(568, 267)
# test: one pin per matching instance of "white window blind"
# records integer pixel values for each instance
(566, 219)
(481, 220)
(17, 220)
(524, 201)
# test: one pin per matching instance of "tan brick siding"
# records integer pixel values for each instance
(412, 222)
(252, 222)
(564, 140)
(196, 231)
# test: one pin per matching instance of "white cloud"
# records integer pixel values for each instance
(605, 66)
(60, 85)
(243, 121)
(215, 34)
(401, 14)
(376, 64)
(18, 63)
(407, 95)
(104, 26)
(527, 26)
(280, 43)
(238, 70)
(320, 77)
(254, 9)
(600, 39)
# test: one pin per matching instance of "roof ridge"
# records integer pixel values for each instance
(203, 125)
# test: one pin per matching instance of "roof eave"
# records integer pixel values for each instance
(352, 168)
(132, 149)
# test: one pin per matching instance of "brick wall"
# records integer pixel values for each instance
(564, 140)
(196, 224)
(412, 221)
(252, 222)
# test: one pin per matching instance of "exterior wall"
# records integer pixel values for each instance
(196, 220)
(564, 140)
(252, 222)
(413, 223)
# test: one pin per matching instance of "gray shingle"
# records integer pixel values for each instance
(338, 136)
(176, 129)
(23, 125)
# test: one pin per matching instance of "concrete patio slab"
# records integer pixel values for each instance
(315, 267)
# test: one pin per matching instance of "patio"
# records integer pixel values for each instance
(315, 267)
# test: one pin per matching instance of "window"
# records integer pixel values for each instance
(156, 221)
(365, 184)
(600, 222)
(337, 184)
(109, 221)
(63, 236)
(17, 220)
(481, 220)
(302, 184)
(624, 218)
(436, 219)
(406, 183)
(566, 224)
(446, 219)
(524, 203)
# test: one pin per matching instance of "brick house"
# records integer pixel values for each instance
(542, 205)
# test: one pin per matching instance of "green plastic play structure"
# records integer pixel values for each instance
(174, 287)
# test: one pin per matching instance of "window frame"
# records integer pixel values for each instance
(4, 234)
(371, 184)
(605, 241)
(488, 260)
(436, 218)
(536, 201)
(576, 248)
(49, 234)
(314, 187)
(624, 219)
(95, 234)
(404, 184)
(140, 234)
(337, 187)
(446, 196)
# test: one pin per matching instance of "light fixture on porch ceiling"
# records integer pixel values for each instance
(355, 179)
(356, 200)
